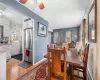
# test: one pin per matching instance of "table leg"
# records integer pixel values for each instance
(72, 73)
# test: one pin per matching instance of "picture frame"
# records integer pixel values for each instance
(42, 30)
(92, 24)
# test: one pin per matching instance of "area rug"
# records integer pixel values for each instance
(25, 64)
(38, 73)
(18, 57)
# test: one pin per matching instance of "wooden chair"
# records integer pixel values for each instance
(71, 44)
(51, 45)
(54, 64)
(83, 68)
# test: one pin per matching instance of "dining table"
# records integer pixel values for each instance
(73, 58)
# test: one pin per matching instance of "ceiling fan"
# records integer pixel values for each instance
(39, 3)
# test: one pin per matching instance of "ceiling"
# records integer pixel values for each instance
(11, 14)
(60, 13)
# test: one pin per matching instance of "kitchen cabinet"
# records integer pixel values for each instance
(2, 65)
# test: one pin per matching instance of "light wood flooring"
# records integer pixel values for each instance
(13, 71)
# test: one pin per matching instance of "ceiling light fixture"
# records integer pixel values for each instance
(40, 4)
(23, 1)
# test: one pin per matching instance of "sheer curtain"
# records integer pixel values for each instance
(56, 37)
(62, 36)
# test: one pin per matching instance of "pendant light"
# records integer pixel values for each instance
(40, 4)
(23, 1)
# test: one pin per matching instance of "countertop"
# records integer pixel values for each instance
(4, 48)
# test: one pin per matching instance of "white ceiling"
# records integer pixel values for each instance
(14, 16)
(60, 13)
(11, 14)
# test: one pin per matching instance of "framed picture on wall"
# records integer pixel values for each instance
(92, 24)
(42, 30)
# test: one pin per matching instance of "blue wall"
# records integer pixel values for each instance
(40, 42)
(74, 30)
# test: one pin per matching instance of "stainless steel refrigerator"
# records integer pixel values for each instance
(28, 44)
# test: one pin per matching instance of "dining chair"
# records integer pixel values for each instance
(51, 45)
(82, 68)
(54, 64)
(71, 44)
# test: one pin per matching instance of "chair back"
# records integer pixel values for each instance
(54, 63)
(51, 45)
(71, 44)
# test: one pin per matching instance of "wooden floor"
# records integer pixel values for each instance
(14, 71)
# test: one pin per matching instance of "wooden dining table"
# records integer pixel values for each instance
(72, 58)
